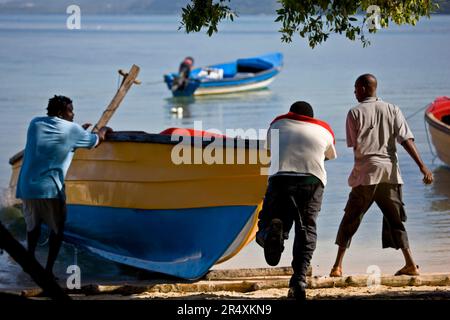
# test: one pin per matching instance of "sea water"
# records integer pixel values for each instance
(40, 57)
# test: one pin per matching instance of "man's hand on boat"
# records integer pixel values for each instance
(103, 132)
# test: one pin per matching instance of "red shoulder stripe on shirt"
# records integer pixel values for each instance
(191, 133)
(294, 116)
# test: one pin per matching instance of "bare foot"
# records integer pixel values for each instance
(336, 272)
(408, 271)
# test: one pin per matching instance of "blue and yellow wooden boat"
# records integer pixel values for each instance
(128, 202)
(236, 76)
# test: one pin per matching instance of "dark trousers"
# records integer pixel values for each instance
(294, 199)
(388, 197)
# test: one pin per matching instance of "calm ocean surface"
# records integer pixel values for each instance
(39, 57)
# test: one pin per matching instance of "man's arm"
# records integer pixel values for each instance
(410, 147)
(81, 138)
(350, 130)
(330, 153)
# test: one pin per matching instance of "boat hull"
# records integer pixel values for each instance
(439, 131)
(183, 243)
(130, 203)
(256, 85)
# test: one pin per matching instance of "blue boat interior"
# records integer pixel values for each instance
(247, 65)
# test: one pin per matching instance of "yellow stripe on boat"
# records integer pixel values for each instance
(247, 235)
(143, 176)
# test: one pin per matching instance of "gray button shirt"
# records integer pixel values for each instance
(373, 127)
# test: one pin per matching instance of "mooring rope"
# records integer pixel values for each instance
(154, 82)
(427, 134)
(429, 141)
(150, 83)
(416, 112)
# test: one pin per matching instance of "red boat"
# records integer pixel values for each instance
(437, 116)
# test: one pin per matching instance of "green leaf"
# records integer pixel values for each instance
(305, 17)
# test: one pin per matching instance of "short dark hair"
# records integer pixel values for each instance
(367, 80)
(57, 104)
(302, 108)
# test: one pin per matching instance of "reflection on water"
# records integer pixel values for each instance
(441, 188)
(263, 93)
(226, 111)
(182, 105)
(438, 214)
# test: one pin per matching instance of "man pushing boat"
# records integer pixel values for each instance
(296, 184)
(51, 142)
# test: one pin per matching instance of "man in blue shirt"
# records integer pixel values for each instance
(51, 142)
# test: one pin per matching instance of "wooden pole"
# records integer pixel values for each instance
(30, 265)
(227, 274)
(128, 80)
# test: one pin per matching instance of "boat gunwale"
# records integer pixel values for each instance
(156, 138)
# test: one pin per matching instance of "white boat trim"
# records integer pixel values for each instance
(234, 88)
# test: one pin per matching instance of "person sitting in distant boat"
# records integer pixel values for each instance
(294, 193)
(50, 146)
(373, 127)
(180, 82)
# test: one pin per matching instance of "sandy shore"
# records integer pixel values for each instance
(265, 283)
(348, 293)
(382, 292)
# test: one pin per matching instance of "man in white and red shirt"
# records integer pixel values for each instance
(296, 184)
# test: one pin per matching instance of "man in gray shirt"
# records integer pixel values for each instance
(373, 127)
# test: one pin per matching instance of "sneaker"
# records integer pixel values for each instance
(261, 237)
(273, 244)
(297, 292)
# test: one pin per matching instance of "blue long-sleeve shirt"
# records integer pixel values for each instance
(49, 150)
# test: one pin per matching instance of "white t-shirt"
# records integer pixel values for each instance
(303, 145)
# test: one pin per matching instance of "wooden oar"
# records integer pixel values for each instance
(128, 80)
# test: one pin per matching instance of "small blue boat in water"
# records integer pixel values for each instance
(239, 75)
